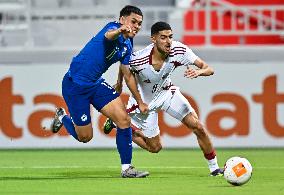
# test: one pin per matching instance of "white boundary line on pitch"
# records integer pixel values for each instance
(117, 167)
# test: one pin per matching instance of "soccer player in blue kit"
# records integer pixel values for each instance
(83, 85)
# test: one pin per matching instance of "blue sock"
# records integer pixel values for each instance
(124, 144)
(68, 124)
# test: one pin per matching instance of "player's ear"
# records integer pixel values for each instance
(122, 20)
(153, 39)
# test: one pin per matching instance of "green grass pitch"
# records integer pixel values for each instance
(97, 171)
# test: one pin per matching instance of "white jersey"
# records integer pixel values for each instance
(153, 84)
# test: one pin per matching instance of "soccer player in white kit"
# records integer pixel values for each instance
(152, 67)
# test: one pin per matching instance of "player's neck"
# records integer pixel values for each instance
(125, 36)
(159, 55)
(158, 59)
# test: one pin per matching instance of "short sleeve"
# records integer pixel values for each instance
(108, 27)
(189, 57)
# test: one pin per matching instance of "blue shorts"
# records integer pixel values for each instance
(78, 98)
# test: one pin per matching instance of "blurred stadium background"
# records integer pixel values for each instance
(242, 105)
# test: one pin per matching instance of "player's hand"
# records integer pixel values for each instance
(118, 87)
(125, 29)
(143, 107)
(192, 73)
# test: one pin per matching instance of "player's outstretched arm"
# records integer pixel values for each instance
(113, 34)
(132, 85)
(203, 69)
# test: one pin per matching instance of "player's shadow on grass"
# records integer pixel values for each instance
(49, 178)
(65, 175)
(106, 174)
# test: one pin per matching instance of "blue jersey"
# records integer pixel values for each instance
(98, 55)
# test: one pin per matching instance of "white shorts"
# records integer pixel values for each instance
(172, 102)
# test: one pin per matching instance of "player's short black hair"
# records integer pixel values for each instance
(159, 26)
(128, 9)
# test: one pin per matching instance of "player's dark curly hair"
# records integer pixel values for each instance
(159, 26)
(128, 9)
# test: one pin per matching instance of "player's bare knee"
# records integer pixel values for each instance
(84, 137)
(123, 122)
(84, 133)
(155, 149)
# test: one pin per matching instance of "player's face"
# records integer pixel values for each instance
(134, 21)
(163, 41)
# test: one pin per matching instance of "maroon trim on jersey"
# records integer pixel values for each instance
(138, 60)
(176, 63)
(178, 48)
(132, 108)
(177, 53)
(143, 62)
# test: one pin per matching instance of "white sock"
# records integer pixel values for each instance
(213, 164)
(124, 167)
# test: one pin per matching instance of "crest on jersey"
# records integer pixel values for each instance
(147, 81)
(134, 71)
(124, 51)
